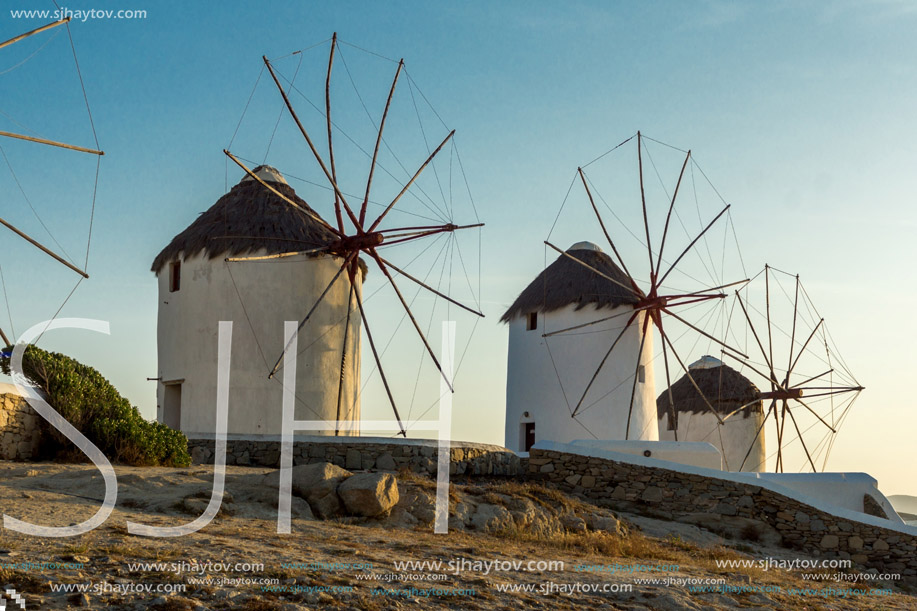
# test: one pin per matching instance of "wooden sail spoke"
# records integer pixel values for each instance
(668, 216)
(801, 440)
(633, 388)
(806, 381)
(420, 232)
(832, 392)
(789, 365)
(814, 413)
(62, 145)
(592, 322)
(668, 387)
(770, 364)
(836, 388)
(315, 153)
(589, 267)
(321, 298)
(702, 332)
(334, 176)
(767, 302)
(281, 255)
(411, 182)
(37, 30)
(781, 422)
(598, 369)
(43, 248)
(774, 386)
(602, 225)
(690, 377)
(646, 222)
(429, 288)
(736, 411)
(372, 345)
(691, 245)
(267, 186)
(674, 300)
(410, 314)
(710, 290)
(758, 433)
(372, 165)
(343, 369)
(804, 346)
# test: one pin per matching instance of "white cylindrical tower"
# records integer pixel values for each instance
(198, 288)
(547, 376)
(727, 391)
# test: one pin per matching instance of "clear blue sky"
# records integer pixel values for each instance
(801, 114)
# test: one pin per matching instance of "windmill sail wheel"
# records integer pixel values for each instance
(26, 152)
(393, 191)
(806, 387)
(671, 243)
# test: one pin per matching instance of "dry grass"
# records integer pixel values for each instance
(603, 543)
(78, 548)
(20, 580)
(550, 498)
(154, 554)
(425, 483)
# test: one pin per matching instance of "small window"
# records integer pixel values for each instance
(641, 374)
(174, 276)
(531, 321)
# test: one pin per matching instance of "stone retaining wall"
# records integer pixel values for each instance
(628, 486)
(368, 453)
(19, 428)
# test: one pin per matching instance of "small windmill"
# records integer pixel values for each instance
(807, 381)
(53, 143)
(657, 304)
(356, 233)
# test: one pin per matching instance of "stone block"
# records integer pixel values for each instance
(385, 462)
(353, 459)
(829, 542)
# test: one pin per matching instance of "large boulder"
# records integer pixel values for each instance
(369, 494)
(317, 483)
(491, 518)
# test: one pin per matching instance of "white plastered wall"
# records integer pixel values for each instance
(548, 385)
(272, 292)
(734, 438)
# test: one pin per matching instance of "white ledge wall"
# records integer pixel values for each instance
(861, 481)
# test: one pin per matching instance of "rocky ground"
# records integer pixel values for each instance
(350, 534)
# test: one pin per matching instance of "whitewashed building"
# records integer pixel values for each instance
(547, 376)
(198, 288)
(733, 396)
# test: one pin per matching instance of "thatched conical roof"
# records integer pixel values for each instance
(566, 282)
(247, 219)
(725, 388)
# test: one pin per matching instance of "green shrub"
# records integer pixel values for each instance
(91, 404)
